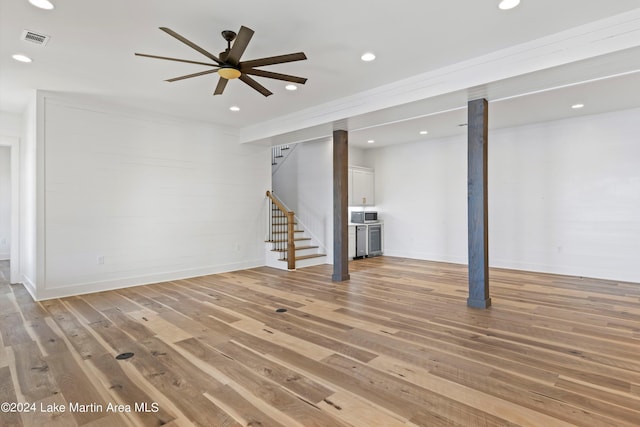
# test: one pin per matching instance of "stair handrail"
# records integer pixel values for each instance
(291, 247)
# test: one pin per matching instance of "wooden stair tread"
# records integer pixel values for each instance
(285, 232)
(295, 240)
(298, 248)
(298, 258)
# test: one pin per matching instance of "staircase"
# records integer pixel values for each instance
(287, 246)
(278, 153)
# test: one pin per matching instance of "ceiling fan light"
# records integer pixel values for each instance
(42, 4)
(229, 73)
(508, 4)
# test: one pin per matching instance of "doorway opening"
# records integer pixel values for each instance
(9, 209)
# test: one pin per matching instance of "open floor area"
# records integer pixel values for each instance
(395, 345)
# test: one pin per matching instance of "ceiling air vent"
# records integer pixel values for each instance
(33, 37)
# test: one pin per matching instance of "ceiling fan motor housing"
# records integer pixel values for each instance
(229, 35)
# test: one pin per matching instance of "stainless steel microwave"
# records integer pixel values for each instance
(363, 217)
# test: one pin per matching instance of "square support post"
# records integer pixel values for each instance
(340, 206)
(478, 131)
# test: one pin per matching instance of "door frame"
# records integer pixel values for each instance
(13, 142)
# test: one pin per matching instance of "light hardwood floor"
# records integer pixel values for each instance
(394, 346)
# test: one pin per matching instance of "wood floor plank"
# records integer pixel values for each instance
(75, 386)
(109, 300)
(170, 378)
(32, 370)
(395, 345)
(9, 417)
(150, 357)
(137, 330)
(7, 301)
(500, 411)
(45, 418)
(260, 387)
(359, 412)
(4, 357)
(291, 380)
(83, 342)
(13, 330)
(127, 391)
(433, 405)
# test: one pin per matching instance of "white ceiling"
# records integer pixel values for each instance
(91, 52)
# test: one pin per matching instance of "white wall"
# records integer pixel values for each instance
(5, 202)
(304, 182)
(132, 199)
(357, 157)
(564, 197)
(10, 124)
(28, 195)
(421, 196)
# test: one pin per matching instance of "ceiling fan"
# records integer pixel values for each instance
(228, 64)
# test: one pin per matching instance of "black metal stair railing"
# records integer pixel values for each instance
(281, 229)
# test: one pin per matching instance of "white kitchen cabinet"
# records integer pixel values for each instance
(350, 184)
(361, 185)
(352, 242)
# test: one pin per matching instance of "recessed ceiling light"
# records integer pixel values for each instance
(367, 57)
(371, 141)
(42, 4)
(21, 58)
(508, 4)
(424, 132)
(577, 106)
(234, 108)
(291, 87)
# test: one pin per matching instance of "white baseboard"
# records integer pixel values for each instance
(29, 286)
(108, 285)
(427, 257)
(593, 273)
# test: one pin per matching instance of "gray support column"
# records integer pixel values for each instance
(477, 204)
(340, 206)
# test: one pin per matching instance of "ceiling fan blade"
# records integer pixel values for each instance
(190, 44)
(175, 59)
(254, 84)
(277, 76)
(239, 45)
(188, 76)
(222, 83)
(280, 59)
